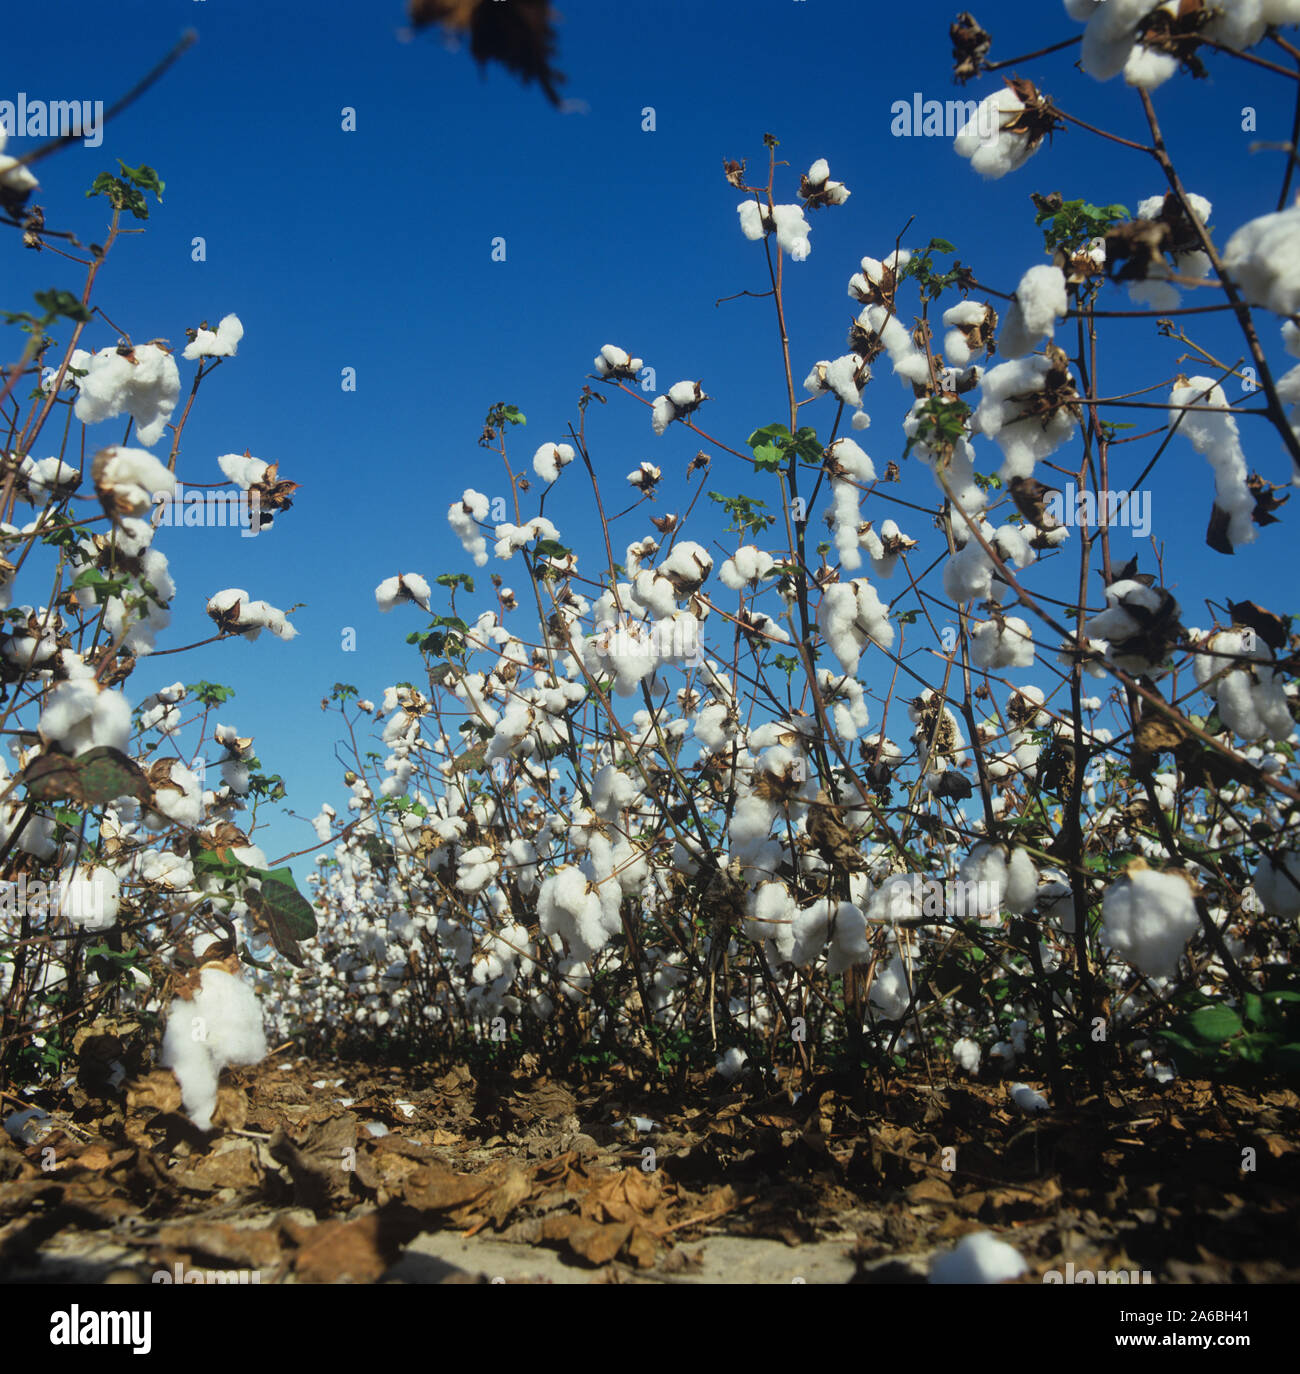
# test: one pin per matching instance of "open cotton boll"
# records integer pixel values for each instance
(143, 382)
(845, 377)
(891, 992)
(221, 342)
(82, 715)
(126, 480)
(1040, 301)
(463, 516)
(220, 1025)
(177, 797)
(1219, 440)
(850, 616)
(978, 1258)
(993, 149)
(1278, 892)
(1009, 410)
(550, 459)
(17, 179)
(90, 898)
(614, 363)
(1027, 1099)
(404, 587)
(1002, 644)
(234, 613)
(909, 362)
(966, 1055)
(1148, 918)
(970, 326)
(730, 1065)
(747, 566)
(1263, 256)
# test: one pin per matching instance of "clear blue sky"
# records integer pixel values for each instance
(372, 250)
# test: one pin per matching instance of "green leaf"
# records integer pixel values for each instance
(1214, 1024)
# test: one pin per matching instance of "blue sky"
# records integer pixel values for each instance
(372, 249)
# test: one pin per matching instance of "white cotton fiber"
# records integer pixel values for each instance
(1148, 917)
(979, 1258)
(220, 1025)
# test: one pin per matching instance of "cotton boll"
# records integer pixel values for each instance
(142, 381)
(979, 1258)
(1028, 1100)
(126, 480)
(1148, 917)
(850, 616)
(220, 1025)
(463, 516)
(405, 587)
(1278, 892)
(747, 566)
(90, 898)
(993, 149)
(890, 989)
(1005, 644)
(222, 342)
(1218, 439)
(80, 716)
(1009, 411)
(1263, 256)
(614, 364)
(970, 326)
(966, 1055)
(1040, 301)
(551, 458)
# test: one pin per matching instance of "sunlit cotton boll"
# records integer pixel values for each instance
(126, 480)
(992, 149)
(1263, 256)
(405, 587)
(851, 615)
(79, 716)
(463, 517)
(1002, 644)
(1039, 302)
(1148, 917)
(143, 382)
(222, 342)
(550, 459)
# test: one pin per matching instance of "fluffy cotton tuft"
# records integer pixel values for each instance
(978, 1258)
(1148, 917)
(221, 342)
(221, 1025)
